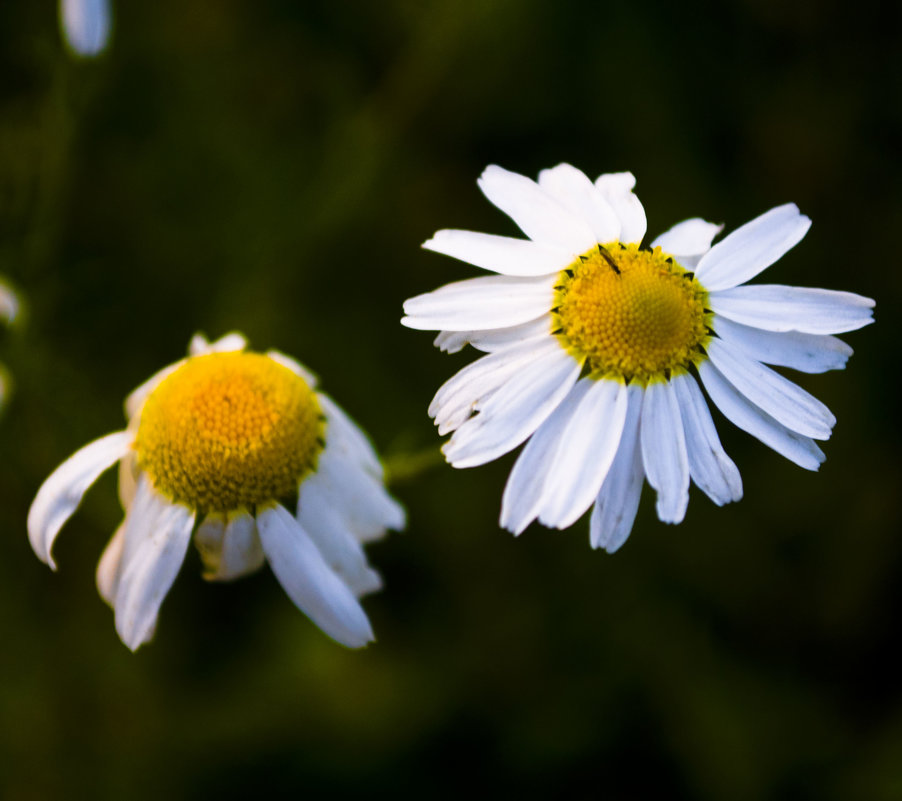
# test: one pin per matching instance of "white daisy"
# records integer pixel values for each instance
(85, 25)
(596, 347)
(213, 446)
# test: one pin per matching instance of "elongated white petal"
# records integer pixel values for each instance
(295, 366)
(573, 190)
(494, 339)
(618, 501)
(347, 436)
(229, 343)
(149, 572)
(774, 307)
(309, 581)
(61, 493)
(664, 451)
(460, 395)
(127, 479)
(492, 301)
(744, 414)
(752, 248)
(108, 567)
(690, 238)
(9, 304)
(617, 189)
(501, 254)
(709, 466)
(229, 546)
(86, 25)
(779, 397)
(587, 449)
(514, 411)
(536, 213)
(809, 353)
(524, 492)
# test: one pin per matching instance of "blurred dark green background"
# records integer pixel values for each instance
(272, 167)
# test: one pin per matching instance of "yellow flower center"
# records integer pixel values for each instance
(228, 430)
(630, 314)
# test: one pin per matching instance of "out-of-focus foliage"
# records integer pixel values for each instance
(272, 167)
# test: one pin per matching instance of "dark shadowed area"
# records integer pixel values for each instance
(272, 168)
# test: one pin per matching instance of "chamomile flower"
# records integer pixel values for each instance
(596, 349)
(214, 445)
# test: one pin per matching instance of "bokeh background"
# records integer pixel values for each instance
(272, 167)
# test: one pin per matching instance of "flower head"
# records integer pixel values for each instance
(596, 349)
(215, 444)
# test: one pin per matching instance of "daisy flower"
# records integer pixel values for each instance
(85, 25)
(596, 349)
(215, 444)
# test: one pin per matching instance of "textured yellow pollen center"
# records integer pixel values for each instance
(631, 314)
(228, 430)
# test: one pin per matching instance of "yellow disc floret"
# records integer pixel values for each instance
(631, 314)
(228, 430)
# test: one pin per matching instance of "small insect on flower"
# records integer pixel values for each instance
(597, 346)
(215, 444)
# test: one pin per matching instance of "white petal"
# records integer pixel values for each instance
(690, 238)
(774, 307)
(809, 353)
(587, 449)
(617, 189)
(108, 567)
(61, 493)
(743, 414)
(617, 503)
(492, 301)
(310, 583)
(709, 466)
(128, 473)
(148, 572)
(9, 304)
(572, 189)
(514, 412)
(495, 338)
(136, 398)
(752, 248)
(294, 365)
(229, 546)
(348, 437)
(460, 395)
(229, 343)
(86, 25)
(778, 396)
(501, 254)
(523, 493)
(664, 451)
(323, 520)
(537, 214)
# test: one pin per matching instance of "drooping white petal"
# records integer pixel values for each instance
(774, 307)
(587, 449)
(229, 545)
(501, 254)
(86, 25)
(617, 189)
(536, 213)
(688, 239)
(492, 301)
(808, 353)
(744, 414)
(309, 581)
(148, 573)
(324, 521)
(752, 248)
(514, 411)
(524, 491)
(618, 501)
(228, 343)
(460, 395)
(573, 190)
(709, 466)
(494, 339)
(664, 451)
(294, 365)
(61, 493)
(786, 402)
(136, 398)
(108, 567)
